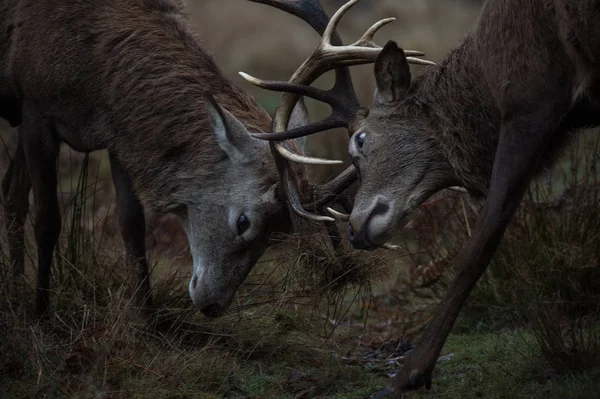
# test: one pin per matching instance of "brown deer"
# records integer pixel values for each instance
(130, 77)
(494, 113)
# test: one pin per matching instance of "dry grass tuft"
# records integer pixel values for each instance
(568, 342)
(312, 265)
(329, 281)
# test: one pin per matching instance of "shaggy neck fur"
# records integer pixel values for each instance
(156, 75)
(461, 116)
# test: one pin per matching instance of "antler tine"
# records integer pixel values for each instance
(367, 38)
(326, 124)
(289, 155)
(342, 109)
(342, 217)
(419, 61)
(294, 201)
(335, 20)
(328, 192)
(325, 96)
(367, 41)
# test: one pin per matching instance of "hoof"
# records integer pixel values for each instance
(417, 380)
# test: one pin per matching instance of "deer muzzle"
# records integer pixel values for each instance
(371, 223)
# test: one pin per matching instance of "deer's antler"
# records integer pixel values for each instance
(330, 54)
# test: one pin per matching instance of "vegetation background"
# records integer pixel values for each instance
(310, 323)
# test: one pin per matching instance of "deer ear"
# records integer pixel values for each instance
(298, 119)
(392, 74)
(273, 195)
(231, 135)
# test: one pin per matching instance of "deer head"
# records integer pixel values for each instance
(228, 228)
(400, 162)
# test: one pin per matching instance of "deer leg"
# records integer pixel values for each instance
(41, 151)
(15, 189)
(522, 143)
(133, 231)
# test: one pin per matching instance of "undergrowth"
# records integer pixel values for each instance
(95, 343)
(545, 274)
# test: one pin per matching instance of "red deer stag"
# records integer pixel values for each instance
(130, 77)
(489, 117)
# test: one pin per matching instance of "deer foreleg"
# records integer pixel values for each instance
(520, 149)
(15, 189)
(133, 230)
(41, 151)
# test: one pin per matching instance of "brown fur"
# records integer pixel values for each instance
(136, 65)
(456, 112)
(128, 76)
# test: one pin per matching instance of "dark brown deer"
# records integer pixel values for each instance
(496, 111)
(130, 77)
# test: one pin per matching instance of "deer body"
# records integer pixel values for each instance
(489, 117)
(129, 76)
(136, 68)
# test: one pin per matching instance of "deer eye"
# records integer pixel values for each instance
(243, 224)
(360, 139)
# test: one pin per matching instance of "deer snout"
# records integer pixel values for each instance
(213, 310)
(369, 226)
(209, 304)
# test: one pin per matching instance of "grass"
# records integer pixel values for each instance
(504, 365)
(98, 346)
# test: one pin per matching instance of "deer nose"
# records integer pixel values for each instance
(213, 310)
(368, 228)
(359, 239)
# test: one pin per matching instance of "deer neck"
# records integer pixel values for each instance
(462, 115)
(155, 87)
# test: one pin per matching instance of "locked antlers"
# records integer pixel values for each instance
(330, 54)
